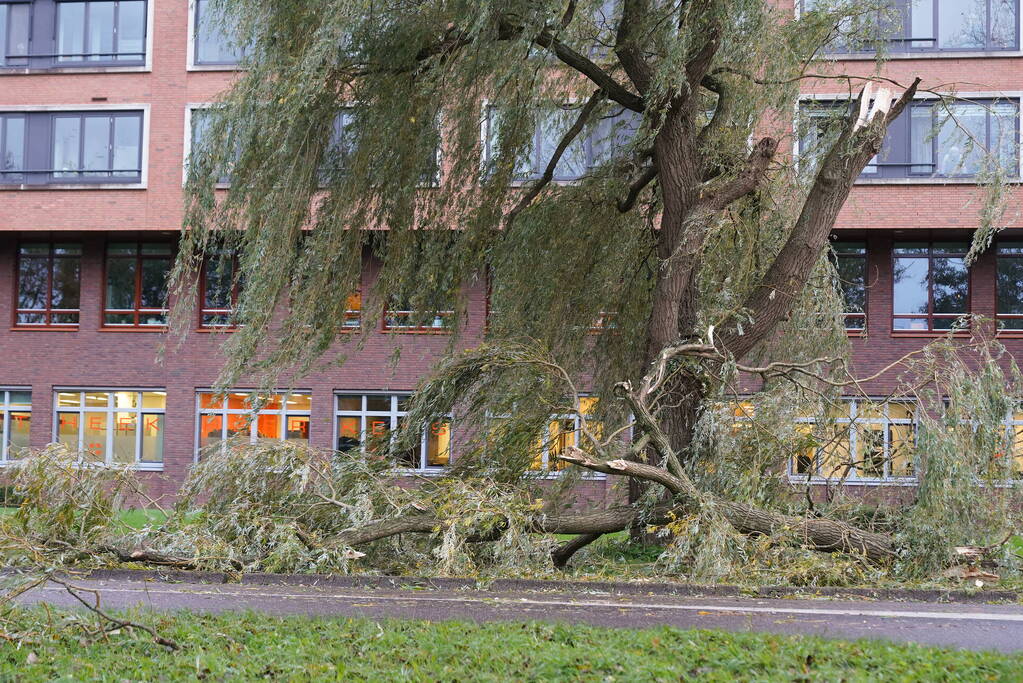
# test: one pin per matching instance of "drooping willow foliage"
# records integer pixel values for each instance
(411, 182)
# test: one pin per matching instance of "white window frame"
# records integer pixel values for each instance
(849, 423)
(110, 410)
(5, 419)
(284, 413)
(394, 415)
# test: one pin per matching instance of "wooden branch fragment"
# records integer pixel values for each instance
(563, 553)
(645, 177)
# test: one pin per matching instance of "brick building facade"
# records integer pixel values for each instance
(95, 124)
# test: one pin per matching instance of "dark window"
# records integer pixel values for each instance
(928, 140)
(344, 143)
(604, 140)
(931, 285)
(200, 123)
(213, 41)
(928, 26)
(220, 289)
(49, 284)
(1010, 285)
(71, 147)
(851, 265)
(136, 284)
(47, 33)
(401, 317)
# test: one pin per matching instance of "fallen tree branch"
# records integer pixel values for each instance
(563, 553)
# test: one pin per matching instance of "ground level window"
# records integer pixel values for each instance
(49, 284)
(563, 431)
(113, 427)
(931, 285)
(368, 422)
(15, 422)
(859, 440)
(274, 417)
(1014, 446)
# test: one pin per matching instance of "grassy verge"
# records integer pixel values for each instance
(249, 646)
(133, 518)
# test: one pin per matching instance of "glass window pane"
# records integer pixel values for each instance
(94, 433)
(438, 444)
(70, 31)
(16, 34)
(961, 140)
(13, 146)
(1003, 24)
(911, 285)
(237, 425)
(212, 38)
(125, 429)
(126, 399)
(154, 399)
(122, 249)
(909, 248)
(962, 23)
(378, 403)
(152, 438)
(268, 426)
(66, 283)
(552, 127)
(97, 398)
(66, 139)
(33, 276)
(349, 402)
(67, 429)
(96, 147)
(218, 284)
(121, 283)
(69, 398)
(921, 24)
(210, 430)
(902, 450)
(950, 285)
(155, 249)
(1004, 142)
(21, 426)
(299, 402)
(154, 282)
(101, 31)
(921, 144)
(127, 140)
(131, 30)
(870, 454)
(852, 276)
(378, 430)
(1010, 285)
(20, 399)
(349, 433)
(297, 429)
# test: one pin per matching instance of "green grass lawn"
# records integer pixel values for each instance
(133, 518)
(250, 647)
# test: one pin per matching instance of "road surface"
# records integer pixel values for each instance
(973, 626)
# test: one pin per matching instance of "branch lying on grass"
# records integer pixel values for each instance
(113, 623)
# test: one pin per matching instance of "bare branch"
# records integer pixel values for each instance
(645, 177)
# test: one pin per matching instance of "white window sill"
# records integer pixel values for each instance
(75, 186)
(138, 467)
(41, 71)
(796, 479)
(927, 181)
(947, 54)
(213, 67)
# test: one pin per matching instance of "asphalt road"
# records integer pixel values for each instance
(974, 626)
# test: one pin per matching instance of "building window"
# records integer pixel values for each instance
(368, 421)
(928, 140)
(48, 33)
(1009, 310)
(353, 312)
(200, 124)
(851, 266)
(931, 285)
(220, 289)
(213, 41)
(563, 431)
(344, 143)
(860, 440)
(136, 284)
(929, 26)
(1014, 442)
(400, 317)
(71, 147)
(605, 140)
(113, 427)
(49, 284)
(15, 422)
(274, 417)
